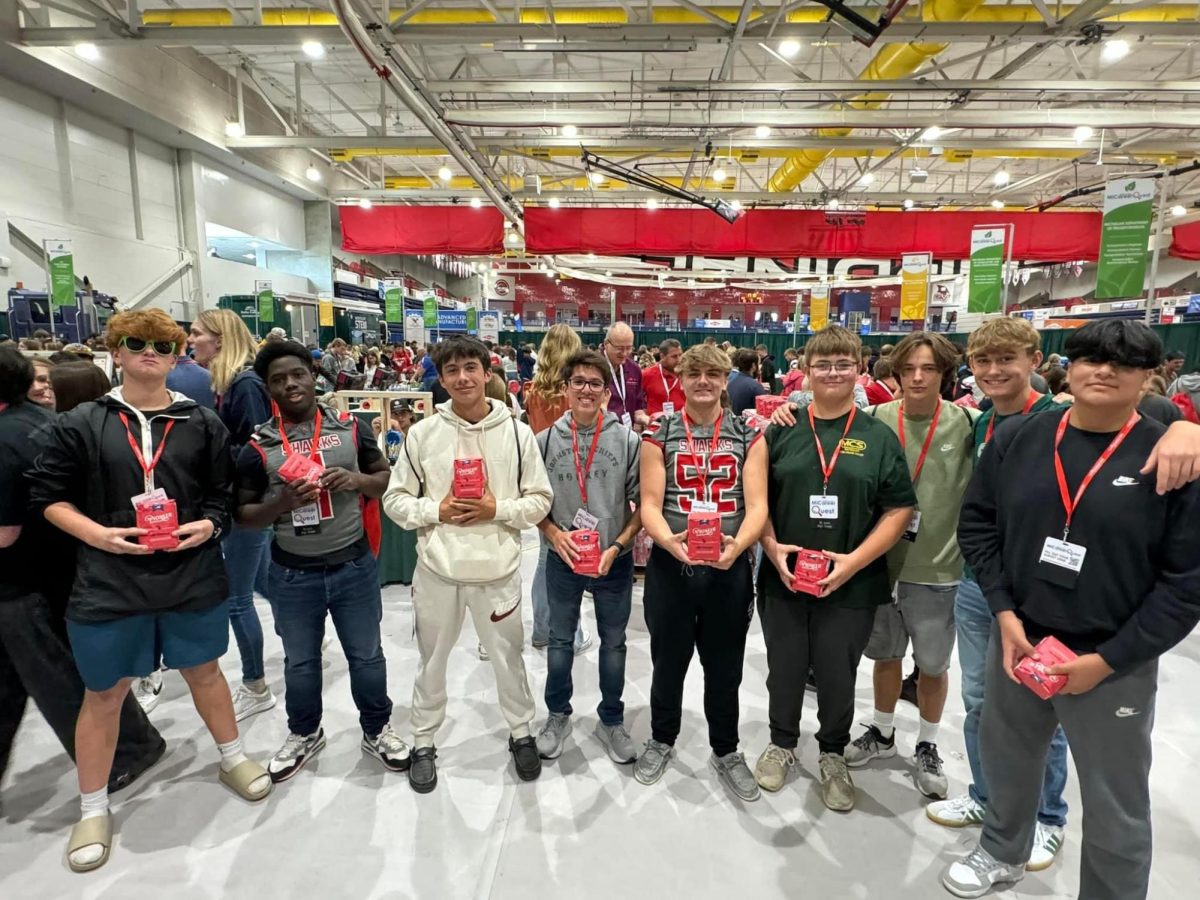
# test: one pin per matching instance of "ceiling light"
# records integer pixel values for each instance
(88, 51)
(866, 178)
(789, 48)
(1083, 133)
(651, 203)
(608, 273)
(597, 177)
(445, 174)
(365, 203)
(833, 203)
(507, 223)
(513, 237)
(1114, 49)
(476, 203)
(908, 204)
(719, 173)
(932, 133)
(313, 49)
(1001, 178)
(554, 203)
(550, 273)
(234, 129)
(918, 176)
(1178, 211)
(997, 204)
(312, 173)
(569, 131)
(762, 132)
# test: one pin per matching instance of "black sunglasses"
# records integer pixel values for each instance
(138, 345)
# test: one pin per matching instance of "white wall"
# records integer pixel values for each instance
(223, 277)
(252, 208)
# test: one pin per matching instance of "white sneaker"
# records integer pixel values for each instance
(585, 643)
(483, 654)
(977, 872)
(1047, 841)
(146, 690)
(246, 702)
(957, 812)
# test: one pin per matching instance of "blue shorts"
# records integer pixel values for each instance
(106, 652)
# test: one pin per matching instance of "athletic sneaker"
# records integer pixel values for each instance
(482, 650)
(550, 739)
(870, 745)
(837, 790)
(247, 703)
(422, 773)
(735, 774)
(929, 777)
(771, 770)
(977, 872)
(146, 690)
(296, 751)
(957, 812)
(617, 743)
(388, 748)
(583, 645)
(525, 757)
(908, 688)
(652, 764)
(1047, 841)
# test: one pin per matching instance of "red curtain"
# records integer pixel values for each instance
(421, 230)
(787, 233)
(1185, 241)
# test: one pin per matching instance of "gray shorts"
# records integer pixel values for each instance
(924, 613)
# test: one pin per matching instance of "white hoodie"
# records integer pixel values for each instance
(424, 475)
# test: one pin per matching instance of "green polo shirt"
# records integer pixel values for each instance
(871, 476)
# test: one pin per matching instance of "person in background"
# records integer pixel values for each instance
(509, 397)
(793, 379)
(660, 381)
(1172, 367)
(627, 399)
(882, 387)
(337, 359)
(1185, 392)
(223, 345)
(747, 385)
(864, 372)
(190, 379)
(369, 365)
(766, 367)
(41, 392)
(525, 364)
(1109, 568)
(76, 383)
(1152, 403)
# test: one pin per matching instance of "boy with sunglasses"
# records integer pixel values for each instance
(142, 453)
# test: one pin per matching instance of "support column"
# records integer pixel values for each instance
(189, 203)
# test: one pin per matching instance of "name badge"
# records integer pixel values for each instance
(627, 420)
(668, 409)
(914, 525)
(584, 521)
(704, 506)
(1061, 562)
(306, 520)
(155, 496)
(821, 506)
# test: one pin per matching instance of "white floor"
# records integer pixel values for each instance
(345, 828)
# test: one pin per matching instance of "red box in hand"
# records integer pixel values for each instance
(469, 479)
(766, 404)
(161, 520)
(704, 537)
(1032, 672)
(588, 545)
(811, 567)
(299, 467)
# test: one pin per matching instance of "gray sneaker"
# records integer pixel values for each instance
(653, 761)
(837, 790)
(550, 738)
(977, 873)
(870, 745)
(735, 774)
(617, 743)
(930, 778)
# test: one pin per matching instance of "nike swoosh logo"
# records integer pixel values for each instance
(1124, 481)
(1125, 713)
(501, 618)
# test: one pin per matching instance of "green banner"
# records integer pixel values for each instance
(393, 302)
(985, 286)
(1124, 234)
(472, 320)
(61, 265)
(431, 311)
(266, 302)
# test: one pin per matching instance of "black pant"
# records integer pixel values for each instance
(705, 609)
(800, 633)
(36, 662)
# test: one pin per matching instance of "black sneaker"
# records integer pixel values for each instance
(295, 752)
(908, 688)
(525, 757)
(121, 780)
(422, 770)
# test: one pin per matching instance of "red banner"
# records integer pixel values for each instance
(422, 230)
(790, 233)
(1185, 241)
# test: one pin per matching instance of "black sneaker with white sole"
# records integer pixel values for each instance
(296, 751)
(525, 757)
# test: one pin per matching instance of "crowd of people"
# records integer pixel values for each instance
(876, 503)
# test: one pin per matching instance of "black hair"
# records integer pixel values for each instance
(278, 350)
(1175, 354)
(16, 375)
(745, 360)
(461, 346)
(1122, 342)
(587, 359)
(67, 356)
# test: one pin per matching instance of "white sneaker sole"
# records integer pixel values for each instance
(971, 893)
(255, 708)
(561, 746)
(932, 795)
(951, 823)
(280, 777)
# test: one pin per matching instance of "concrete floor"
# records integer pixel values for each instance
(345, 828)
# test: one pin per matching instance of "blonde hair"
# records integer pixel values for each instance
(832, 340)
(237, 346)
(703, 357)
(560, 344)
(1005, 333)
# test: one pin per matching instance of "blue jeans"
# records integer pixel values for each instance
(247, 554)
(613, 595)
(973, 620)
(350, 594)
(541, 602)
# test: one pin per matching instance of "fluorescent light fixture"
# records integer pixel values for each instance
(476, 203)
(569, 131)
(789, 48)
(1178, 211)
(313, 49)
(234, 129)
(1001, 178)
(932, 133)
(555, 203)
(313, 174)
(365, 203)
(762, 132)
(1083, 133)
(908, 204)
(651, 203)
(833, 203)
(88, 51)
(918, 176)
(719, 173)
(445, 174)
(513, 237)
(867, 178)
(997, 204)
(597, 177)
(1114, 50)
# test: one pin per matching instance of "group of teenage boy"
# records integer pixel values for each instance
(926, 522)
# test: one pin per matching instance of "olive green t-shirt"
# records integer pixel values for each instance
(870, 477)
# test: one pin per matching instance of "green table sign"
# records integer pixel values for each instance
(986, 280)
(431, 312)
(61, 265)
(1124, 233)
(393, 302)
(266, 302)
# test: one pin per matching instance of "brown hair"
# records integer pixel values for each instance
(704, 356)
(832, 340)
(496, 389)
(945, 354)
(745, 360)
(1005, 333)
(78, 382)
(883, 369)
(589, 359)
(147, 324)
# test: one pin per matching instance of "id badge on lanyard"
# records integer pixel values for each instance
(306, 520)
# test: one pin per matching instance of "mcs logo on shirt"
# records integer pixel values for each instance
(853, 446)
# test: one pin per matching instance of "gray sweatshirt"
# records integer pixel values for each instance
(613, 482)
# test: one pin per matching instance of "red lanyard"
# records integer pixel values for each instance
(827, 470)
(581, 471)
(928, 438)
(703, 473)
(1029, 401)
(1070, 504)
(147, 469)
(314, 450)
(666, 387)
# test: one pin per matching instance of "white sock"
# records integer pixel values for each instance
(256, 687)
(91, 806)
(884, 722)
(231, 754)
(927, 732)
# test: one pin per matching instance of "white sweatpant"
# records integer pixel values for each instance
(495, 607)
